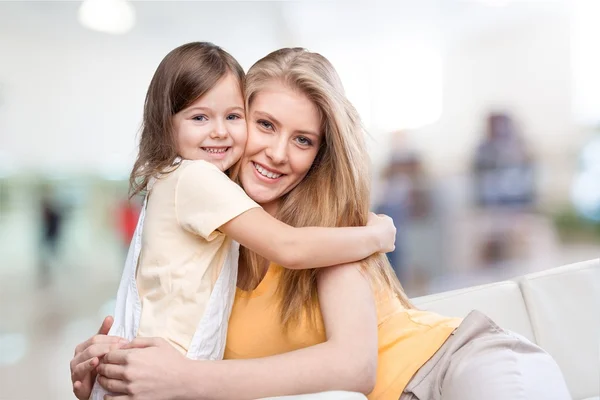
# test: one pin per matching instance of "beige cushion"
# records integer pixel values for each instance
(564, 309)
(501, 301)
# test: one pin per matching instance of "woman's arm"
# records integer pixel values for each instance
(310, 247)
(346, 361)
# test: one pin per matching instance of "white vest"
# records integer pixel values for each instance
(208, 342)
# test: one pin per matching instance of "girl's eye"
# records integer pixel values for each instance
(303, 141)
(233, 117)
(265, 124)
(200, 118)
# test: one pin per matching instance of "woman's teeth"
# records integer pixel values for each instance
(266, 173)
(215, 150)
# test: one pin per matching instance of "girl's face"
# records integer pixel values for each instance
(213, 128)
(284, 135)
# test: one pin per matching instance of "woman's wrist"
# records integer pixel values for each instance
(189, 388)
(193, 387)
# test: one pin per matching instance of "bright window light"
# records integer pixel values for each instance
(108, 16)
(408, 86)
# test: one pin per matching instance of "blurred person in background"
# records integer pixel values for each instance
(294, 332)
(503, 168)
(405, 198)
(52, 218)
(504, 187)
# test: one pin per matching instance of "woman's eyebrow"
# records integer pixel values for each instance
(268, 116)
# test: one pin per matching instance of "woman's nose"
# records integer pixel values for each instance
(277, 150)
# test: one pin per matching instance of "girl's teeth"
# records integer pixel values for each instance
(211, 150)
(266, 173)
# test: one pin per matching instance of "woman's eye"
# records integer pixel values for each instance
(303, 141)
(200, 118)
(265, 124)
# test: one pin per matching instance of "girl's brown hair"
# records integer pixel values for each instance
(183, 76)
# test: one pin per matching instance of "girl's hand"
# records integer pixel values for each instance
(87, 357)
(146, 368)
(385, 231)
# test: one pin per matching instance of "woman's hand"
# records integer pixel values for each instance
(87, 357)
(146, 368)
(385, 229)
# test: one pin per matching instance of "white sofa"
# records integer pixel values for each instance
(559, 309)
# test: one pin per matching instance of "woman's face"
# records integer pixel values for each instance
(284, 135)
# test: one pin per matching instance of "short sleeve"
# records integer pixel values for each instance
(206, 198)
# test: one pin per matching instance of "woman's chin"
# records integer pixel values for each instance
(263, 198)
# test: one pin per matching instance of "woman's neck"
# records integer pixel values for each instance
(271, 207)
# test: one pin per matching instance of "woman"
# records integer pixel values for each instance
(347, 327)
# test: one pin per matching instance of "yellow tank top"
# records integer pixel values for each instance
(407, 338)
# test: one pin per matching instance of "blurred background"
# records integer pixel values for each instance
(484, 122)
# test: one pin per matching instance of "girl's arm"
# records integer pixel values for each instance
(310, 247)
(87, 357)
(207, 200)
(346, 361)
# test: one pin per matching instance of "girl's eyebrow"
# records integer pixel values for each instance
(199, 108)
(236, 108)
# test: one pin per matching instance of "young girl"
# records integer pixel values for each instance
(180, 275)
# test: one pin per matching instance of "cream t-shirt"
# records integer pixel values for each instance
(182, 251)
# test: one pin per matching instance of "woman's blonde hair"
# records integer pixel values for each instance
(336, 190)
